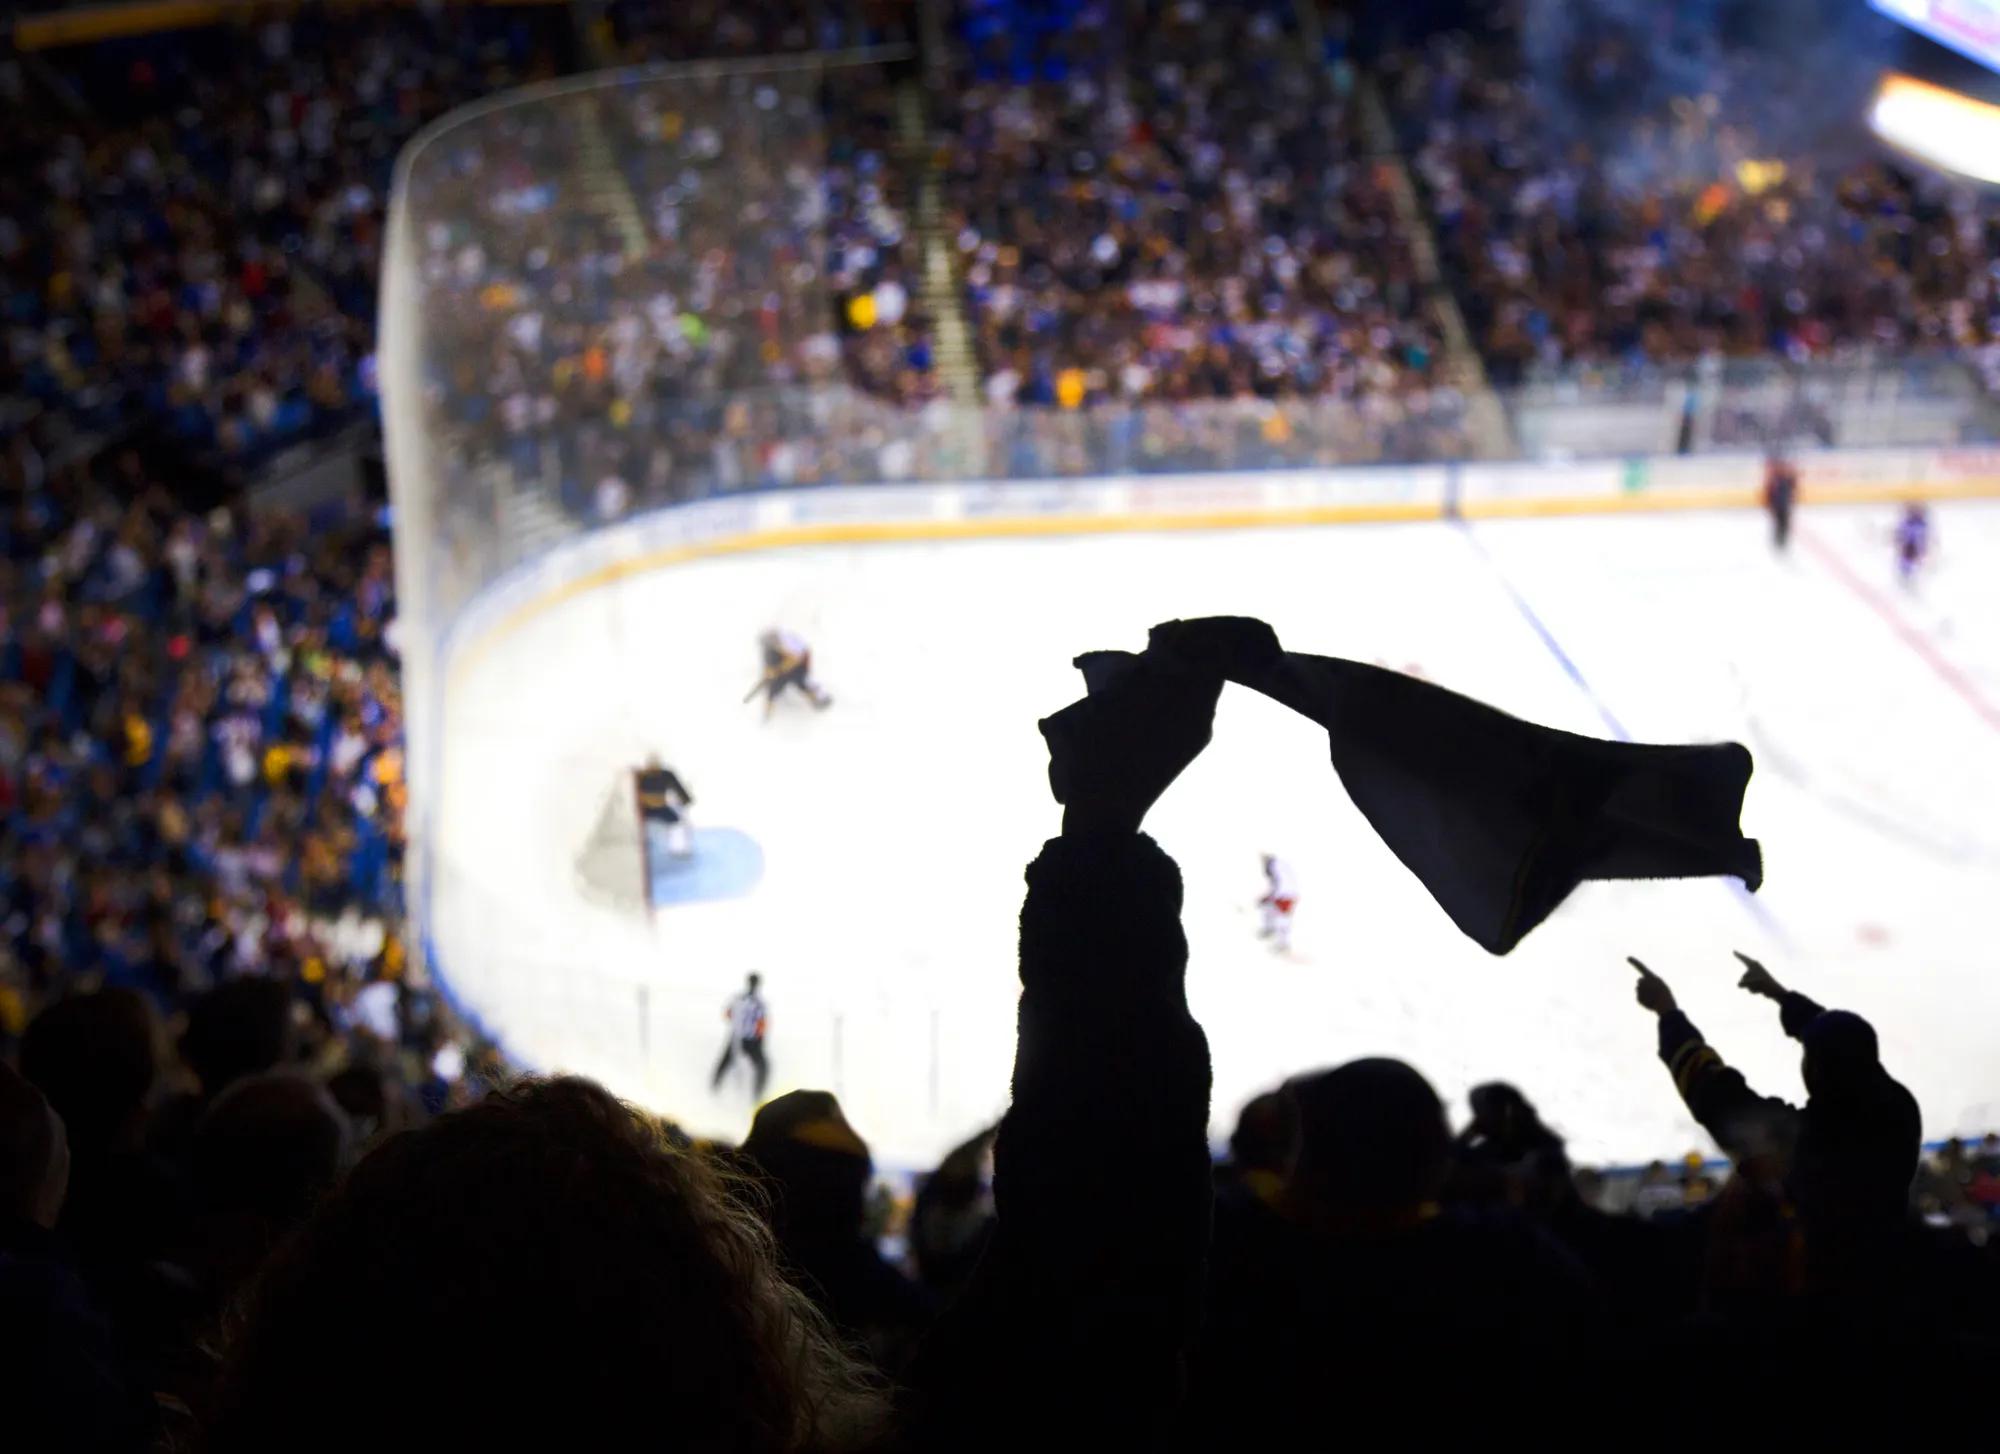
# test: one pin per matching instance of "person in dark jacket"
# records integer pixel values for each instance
(1813, 1272)
(1848, 1155)
(1345, 1297)
(952, 1217)
(1509, 1158)
(1076, 1329)
(63, 1384)
(816, 1171)
(126, 1220)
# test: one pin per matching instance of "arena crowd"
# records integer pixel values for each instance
(243, 1139)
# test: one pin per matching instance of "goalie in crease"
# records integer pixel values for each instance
(663, 804)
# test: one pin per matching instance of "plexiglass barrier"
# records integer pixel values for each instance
(634, 291)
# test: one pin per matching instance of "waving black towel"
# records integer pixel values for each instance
(1498, 817)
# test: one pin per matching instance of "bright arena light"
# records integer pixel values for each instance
(1942, 127)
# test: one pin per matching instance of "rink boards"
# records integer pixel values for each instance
(943, 619)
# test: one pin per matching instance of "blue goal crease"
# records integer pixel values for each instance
(726, 863)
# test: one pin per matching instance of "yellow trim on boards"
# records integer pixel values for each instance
(1724, 499)
(116, 19)
(876, 532)
(87, 24)
(881, 532)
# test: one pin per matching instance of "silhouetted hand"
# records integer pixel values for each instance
(1114, 752)
(1653, 992)
(1757, 979)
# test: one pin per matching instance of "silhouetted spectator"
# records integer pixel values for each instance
(953, 1216)
(62, 1384)
(1341, 1295)
(96, 1058)
(264, 1153)
(1262, 1149)
(1849, 1155)
(545, 1262)
(237, 1029)
(816, 1171)
(1077, 1325)
(1508, 1158)
(1814, 1267)
(375, 1104)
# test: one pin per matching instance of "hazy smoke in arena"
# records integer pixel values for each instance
(1792, 73)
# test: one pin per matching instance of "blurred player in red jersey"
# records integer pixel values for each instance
(1280, 898)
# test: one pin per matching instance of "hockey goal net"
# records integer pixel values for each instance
(612, 866)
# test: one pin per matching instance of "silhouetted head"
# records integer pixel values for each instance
(1372, 1140)
(34, 1153)
(544, 1259)
(1841, 1054)
(1503, 1115)
(371, 1102)
(1266, 1135)
(97, 1059)
(1498, 1107)
(263, 1154)
(754, 981)
(269, 1145)
(1860, 1139)
(238, 1028)
(815, 1166)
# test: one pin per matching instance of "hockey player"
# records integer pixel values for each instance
(663, 805)
(1913, 542)
(1781, 496)
(1280, 898)
(787, 663)
(747, 1019)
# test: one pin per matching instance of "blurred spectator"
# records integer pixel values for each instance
(1506, 1158)
(634, 1287)
(63, 1385)
(1624, 202)
(96, 1057)
(237, 1029)
(1847, 1158)
(196, 229)
(816, 1172)
(1357, 1269)
(263, 1154)
(126, 1220)
(1177, 207)
(953, 1217)
(1262, 1150)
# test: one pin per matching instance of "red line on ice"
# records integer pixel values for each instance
(1911, 637)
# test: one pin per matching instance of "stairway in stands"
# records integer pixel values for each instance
(531, 518)
(1491, 433)
(917, 153)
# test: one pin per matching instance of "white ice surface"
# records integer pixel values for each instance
(896, 825)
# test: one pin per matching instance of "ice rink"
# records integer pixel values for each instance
(893, 828)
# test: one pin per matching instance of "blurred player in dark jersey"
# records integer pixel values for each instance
(663, 804)
(1781, 497)
(1913, 541)
(787, 663)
